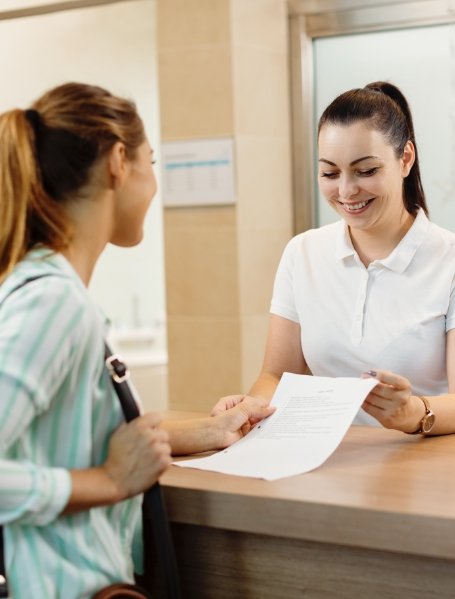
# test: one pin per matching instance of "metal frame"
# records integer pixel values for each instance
(310, 19)
(44, 9)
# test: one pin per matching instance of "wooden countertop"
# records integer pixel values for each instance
(380, 489)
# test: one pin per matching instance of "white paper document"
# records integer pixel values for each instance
(313, 414)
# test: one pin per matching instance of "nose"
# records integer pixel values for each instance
(347, 187)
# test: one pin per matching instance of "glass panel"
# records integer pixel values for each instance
(421, 62)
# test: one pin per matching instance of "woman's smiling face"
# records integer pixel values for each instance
(360, 175)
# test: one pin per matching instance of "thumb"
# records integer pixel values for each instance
(257, 413)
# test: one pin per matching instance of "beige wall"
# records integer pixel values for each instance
(223, 71)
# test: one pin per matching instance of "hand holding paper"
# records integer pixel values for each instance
(312, 416)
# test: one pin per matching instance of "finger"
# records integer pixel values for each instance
(372, 409)
(162, 463)
(157, 435)
(216, 410)
(159, 454)
(386, 393)
(389, 378)
(256, 412)
(148, 420)
(225, 403)
(245, 429)
(373, 404)
(164, 451)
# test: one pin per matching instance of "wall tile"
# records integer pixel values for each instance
(200, 216)
(196, 92)
(260, 251)
(201, 271)
(261, 91)
(193, 22)
(223, 68)
(264, 181)
(261, 22)
(204, 361)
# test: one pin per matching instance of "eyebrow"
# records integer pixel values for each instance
(357, 160)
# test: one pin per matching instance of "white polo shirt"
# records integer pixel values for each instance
(393, 315)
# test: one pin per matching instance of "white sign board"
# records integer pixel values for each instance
(198, 172)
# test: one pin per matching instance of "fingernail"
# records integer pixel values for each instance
(372, 373)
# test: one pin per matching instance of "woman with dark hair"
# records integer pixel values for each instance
(75, 174)
(372, 294)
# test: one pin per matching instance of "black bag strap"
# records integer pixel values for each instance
(153, 506)
(3, 582)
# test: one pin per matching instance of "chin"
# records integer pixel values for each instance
(127, 242)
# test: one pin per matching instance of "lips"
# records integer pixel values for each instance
(355, 207)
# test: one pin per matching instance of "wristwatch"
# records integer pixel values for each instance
(427, 422)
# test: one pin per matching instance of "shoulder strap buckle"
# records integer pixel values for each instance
(117, 369)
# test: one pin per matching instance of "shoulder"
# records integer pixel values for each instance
(438, 245)
(47, 301)
(440, 235)
(323, 238)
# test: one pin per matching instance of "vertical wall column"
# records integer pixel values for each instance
(223, 72)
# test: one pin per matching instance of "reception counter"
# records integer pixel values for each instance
(377, 520)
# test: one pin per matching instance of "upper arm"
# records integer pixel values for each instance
(450, 357)
(41, 327)
(283, 351)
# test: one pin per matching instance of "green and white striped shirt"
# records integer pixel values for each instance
(57, 412)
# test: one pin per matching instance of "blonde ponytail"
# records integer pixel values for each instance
(47, 154)
(27, 214)
(17, 180)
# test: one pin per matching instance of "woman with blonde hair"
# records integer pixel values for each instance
(75, 174)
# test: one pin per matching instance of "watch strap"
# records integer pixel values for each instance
(428, 411)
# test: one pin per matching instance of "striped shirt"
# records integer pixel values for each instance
(57, 412)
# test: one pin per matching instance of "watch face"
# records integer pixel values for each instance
(427, 423)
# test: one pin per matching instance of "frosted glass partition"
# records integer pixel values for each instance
(421, 61)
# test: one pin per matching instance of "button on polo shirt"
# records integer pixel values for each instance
(392, 315)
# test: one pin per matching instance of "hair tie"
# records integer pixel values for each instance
(34, 118)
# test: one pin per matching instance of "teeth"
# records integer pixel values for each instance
(355, 206)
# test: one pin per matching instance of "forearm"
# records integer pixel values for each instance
(92, 487)
(443, 407)
(265, 386)
(409, 421)
(193, 435)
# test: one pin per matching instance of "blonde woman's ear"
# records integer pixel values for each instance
(117, 163)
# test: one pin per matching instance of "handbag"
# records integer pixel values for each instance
(122, 591)
(154, 516)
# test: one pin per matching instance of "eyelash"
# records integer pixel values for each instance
(153, 161)
(368, 173)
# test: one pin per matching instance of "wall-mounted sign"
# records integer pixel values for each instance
(198, 172)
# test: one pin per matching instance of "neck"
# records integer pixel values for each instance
(91, 220)
(82, 259)
(378, 242)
